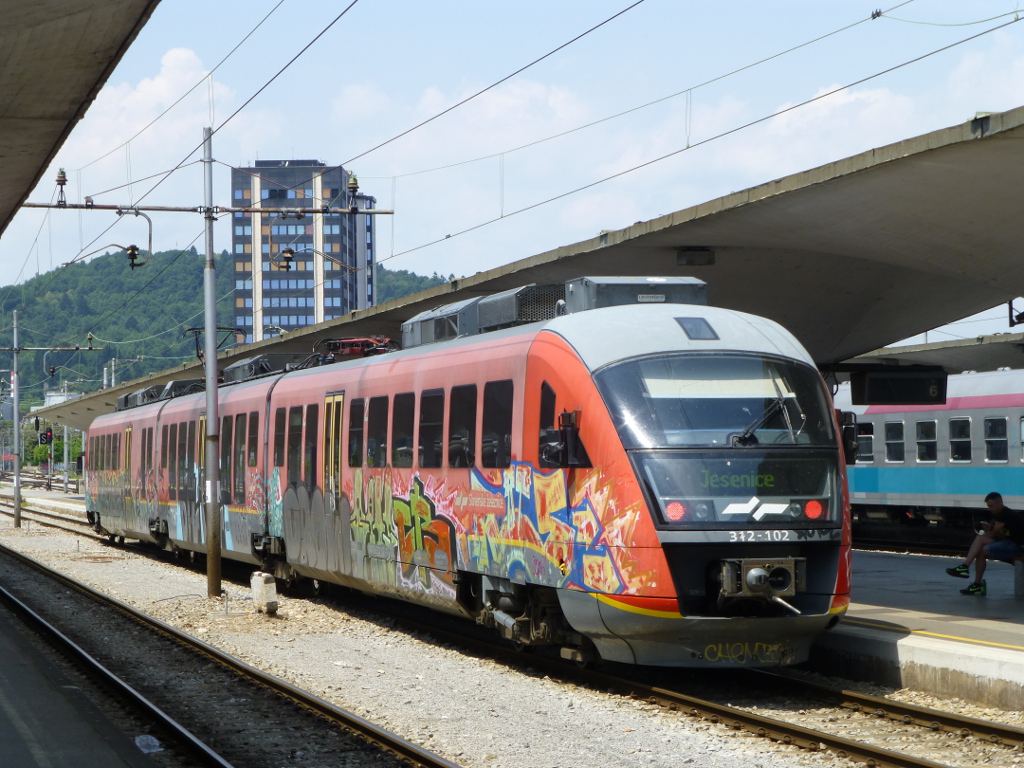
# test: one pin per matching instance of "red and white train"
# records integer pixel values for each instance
(649, 482)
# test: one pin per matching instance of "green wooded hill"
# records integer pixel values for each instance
(132, 314)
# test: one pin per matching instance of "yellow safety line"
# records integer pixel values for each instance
(873, 625)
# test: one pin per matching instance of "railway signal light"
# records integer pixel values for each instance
(49, 435)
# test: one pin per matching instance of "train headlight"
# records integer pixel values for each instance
(814, 510)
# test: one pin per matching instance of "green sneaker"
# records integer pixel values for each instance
(975, 588)
(961, 571)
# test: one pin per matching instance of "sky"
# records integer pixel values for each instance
(459, 185)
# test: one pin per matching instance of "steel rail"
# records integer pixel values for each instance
(123, 689)
(909, 714)
(384, 739)
(776, 730)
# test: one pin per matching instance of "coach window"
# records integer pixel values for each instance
(927, 445)
(997, 446)
(163, 447)
(183, 458)
(355, 433)
(894, 441)
(294, 444)
(431, 437)
(377, 432)
(496, 442)
(279, 422)
(312, 430)
(254, 445)
(225, 453)
(462, 426)
(865, 442)
(117, 451)
(239, 468)
(172, 462)
(401, 430)
(960, 439)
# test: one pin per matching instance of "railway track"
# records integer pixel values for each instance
(217, 707)
(834, 714)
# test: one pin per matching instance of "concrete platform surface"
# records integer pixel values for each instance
(45, 720)
(909, 626)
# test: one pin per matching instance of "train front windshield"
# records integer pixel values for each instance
(728, 440)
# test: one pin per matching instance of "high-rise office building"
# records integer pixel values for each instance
(331, 256)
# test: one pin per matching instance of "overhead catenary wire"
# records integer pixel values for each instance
(708, 140)
(181, 98)
(685, 92)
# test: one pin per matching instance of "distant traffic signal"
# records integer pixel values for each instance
(46, 438)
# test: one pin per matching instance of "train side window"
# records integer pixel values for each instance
(402, 421)
(997, 447)
(927, 442)
(280, 419)
(1021, 435)
(496, 441)
(239, 468)
(294, 444)
(254, 433)
(960, 439)
(172, 462)
(117, 452)
(312, 435)
(190, 460)
(147, 449)
(894, 447)
(431, 438)
(225, 453)
(865, 442)
(182, 458)
(163, 447)
(355, 433)
(462, 426)
(377, 432)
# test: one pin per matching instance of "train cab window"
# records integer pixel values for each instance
(431, 439)
(254, 444)
(865, 442)
(377, 432)
(547, 407)
(163, 447)
(997, 447)
(402, 421)
(239, 463)
(894, 447)
(226, 435)
(927, 442)
(294, 444)
(960, 439)
(280, 418)
(355, 433)
(172, 462)
(496, 441)
(462, 426)
(312, 430)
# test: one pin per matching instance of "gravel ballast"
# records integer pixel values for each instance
(473, 711)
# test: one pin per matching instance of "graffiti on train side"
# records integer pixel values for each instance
(425, 541)
(413, 532)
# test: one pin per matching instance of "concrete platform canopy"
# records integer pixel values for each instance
(55, 55)
(850, 256)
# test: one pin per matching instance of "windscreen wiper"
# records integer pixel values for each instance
(746, 437)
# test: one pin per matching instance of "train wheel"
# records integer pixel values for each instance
(317, 587)
(521, 646)
(111, 538)
(120, 541)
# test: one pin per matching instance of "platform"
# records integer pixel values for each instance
(909, 626)
(45, 720)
